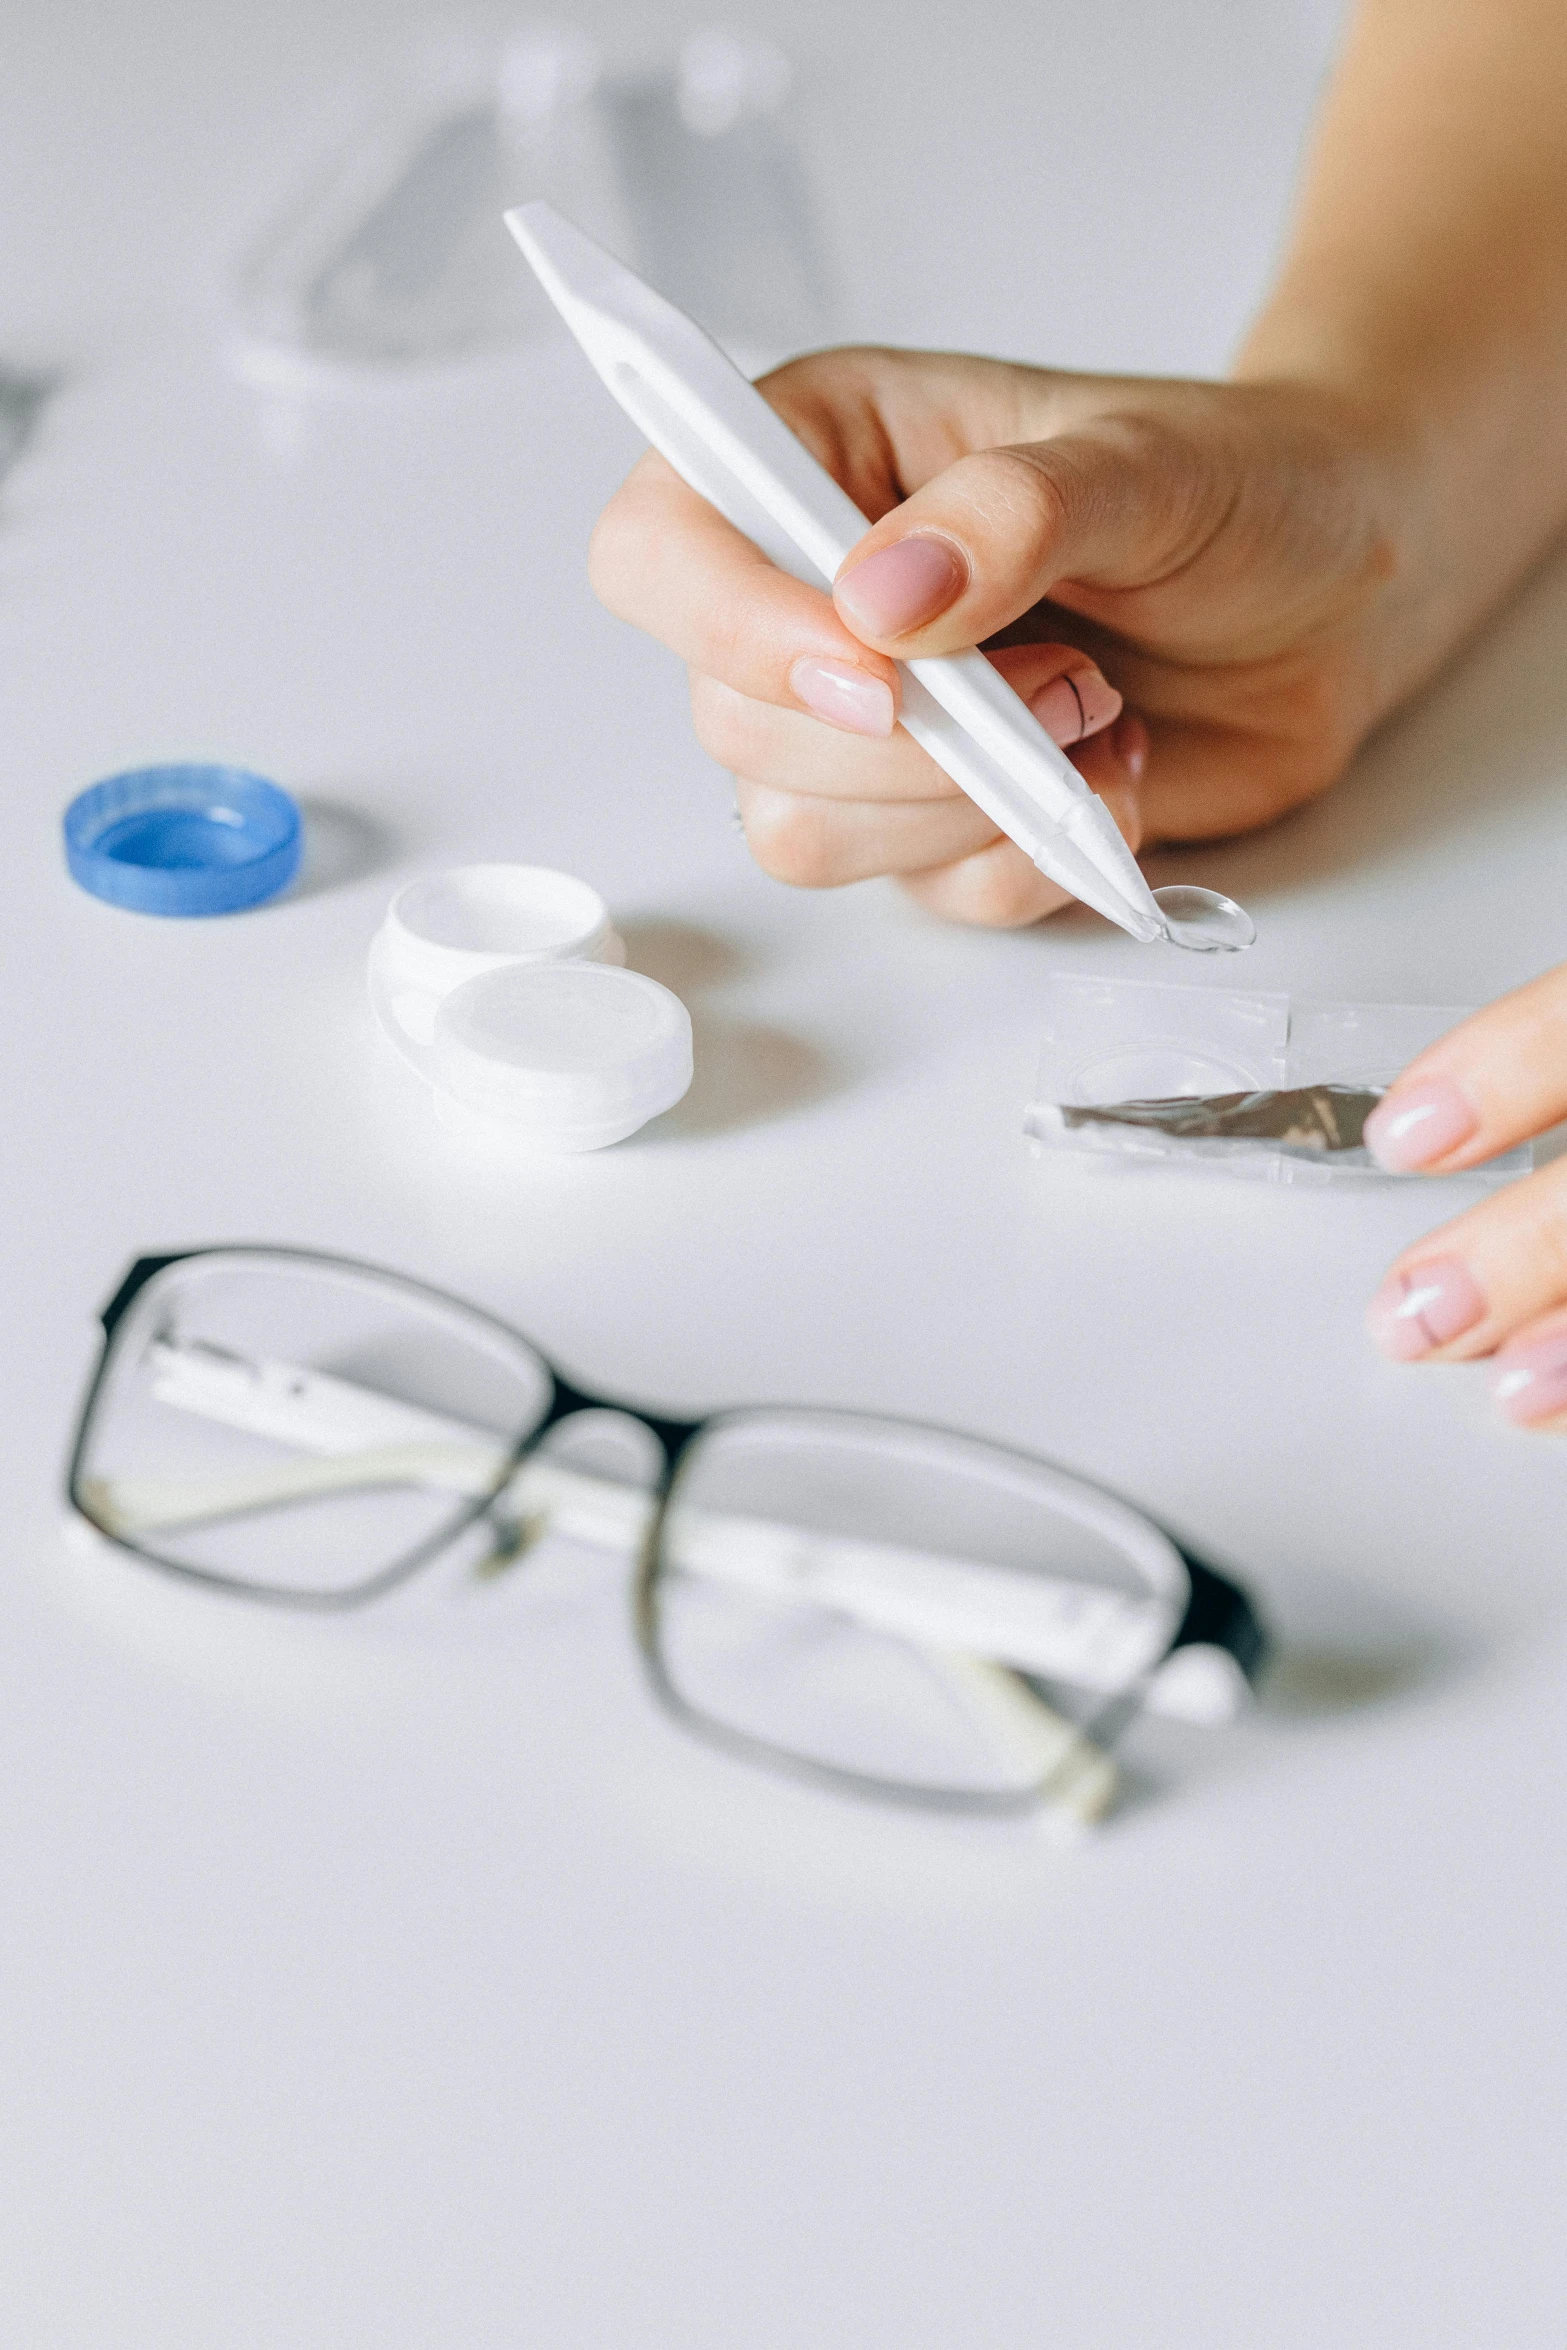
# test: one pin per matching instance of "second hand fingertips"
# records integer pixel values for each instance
(1424, 1307)
(845, 696)
(1415, 1125)
(1529, 1382)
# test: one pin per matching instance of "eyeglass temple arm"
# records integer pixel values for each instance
(1094, 1637)
(1219, 1615)
(1099, 1637)
(1073, 1775)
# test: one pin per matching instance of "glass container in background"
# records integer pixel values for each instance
(718, 206)
(395, 255)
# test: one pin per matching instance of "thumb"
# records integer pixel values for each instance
(1120, 503)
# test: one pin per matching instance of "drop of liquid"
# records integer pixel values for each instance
(1203, 922)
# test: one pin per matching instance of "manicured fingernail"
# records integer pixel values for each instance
(1079, 703)
(1530, 1382)
(844, 696)
(902, 586)
(1131, 744)
(1424, 1307)
(1419, 1124)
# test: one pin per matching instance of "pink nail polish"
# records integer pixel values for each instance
(844, 696)
(1075, 705)
(1419, 1124)
(902, 586)
(1423, 1307)
(1530, 1381)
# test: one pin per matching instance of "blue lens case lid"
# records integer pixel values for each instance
(190, 839)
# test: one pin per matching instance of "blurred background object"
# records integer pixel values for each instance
(718, 211)
(394, 254)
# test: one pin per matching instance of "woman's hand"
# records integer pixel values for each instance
(1494, 1281)
(1221, 560)
(1262, 569)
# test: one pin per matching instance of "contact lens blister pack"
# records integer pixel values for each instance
(1273, 1087)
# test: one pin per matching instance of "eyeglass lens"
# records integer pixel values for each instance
(874, 1599)
(299, 1427)
(901, 1604)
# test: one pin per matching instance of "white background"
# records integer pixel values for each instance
(409, 1981)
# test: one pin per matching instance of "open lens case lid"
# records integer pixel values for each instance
(1112, 1042)
(184, 839)
(504, 986)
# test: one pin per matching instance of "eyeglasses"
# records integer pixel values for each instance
(872, 1603)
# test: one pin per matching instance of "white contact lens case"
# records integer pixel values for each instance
(504, 987)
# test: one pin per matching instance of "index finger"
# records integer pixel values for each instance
(664, 559)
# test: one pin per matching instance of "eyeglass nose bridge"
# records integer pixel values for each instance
(568, 1400)
(518, 1531)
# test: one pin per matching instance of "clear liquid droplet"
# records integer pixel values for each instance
(1203, 922)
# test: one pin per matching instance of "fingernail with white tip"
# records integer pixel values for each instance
(1415, 1125)
(845, 696)
(1424, 1307)
(1530, 1382)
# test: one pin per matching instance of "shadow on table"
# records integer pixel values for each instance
(23, 399)
(1307, 1686)
(1487, 742)
(1338, 1650)
(1314, 1683)
(746, 1071)
(342, 845)
(1339, 1647)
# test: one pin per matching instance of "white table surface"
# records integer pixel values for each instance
(409, 1981)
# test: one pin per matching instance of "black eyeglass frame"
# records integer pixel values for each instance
(1218, 1613)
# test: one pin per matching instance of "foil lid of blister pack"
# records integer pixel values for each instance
(1258, 1084)
(1320, 1121)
